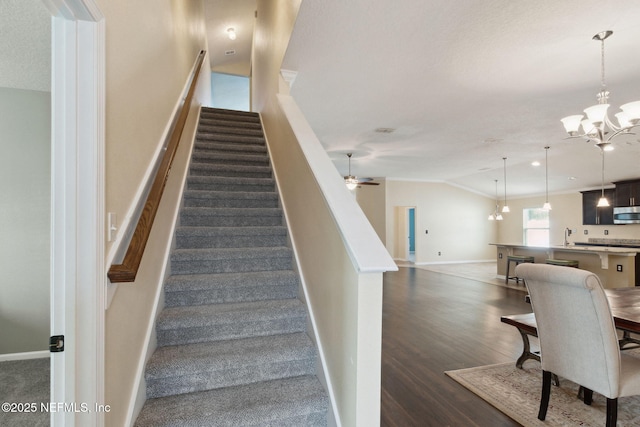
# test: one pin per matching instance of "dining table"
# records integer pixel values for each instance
(625, 308)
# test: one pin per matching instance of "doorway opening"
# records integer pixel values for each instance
(411, 225)
(230, 92)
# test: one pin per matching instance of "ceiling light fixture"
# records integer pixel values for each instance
(350, 180)
(603, 202)
(505, 208)
(597, 126)
(547, 205)
(496, 215)
(231, 33)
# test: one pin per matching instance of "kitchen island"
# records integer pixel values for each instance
(617, 267)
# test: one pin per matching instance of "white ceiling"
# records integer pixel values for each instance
(222, 15)
(465, 83)
(25, 45)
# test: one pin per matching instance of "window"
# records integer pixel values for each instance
(535, 225)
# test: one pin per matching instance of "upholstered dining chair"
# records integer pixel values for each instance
(577, 335)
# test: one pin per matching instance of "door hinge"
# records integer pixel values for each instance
(56, 343)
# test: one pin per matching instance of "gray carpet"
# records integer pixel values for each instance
(233, 347)
(24, 383)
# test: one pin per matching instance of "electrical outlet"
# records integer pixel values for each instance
(619, 267)
(439, 253)
(500, 255)
(426, 231)
(586, 232)
(606, 232)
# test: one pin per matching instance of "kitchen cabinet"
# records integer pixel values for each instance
(628, 193)
(591, 213)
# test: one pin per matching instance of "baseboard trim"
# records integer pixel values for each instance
(24, 356)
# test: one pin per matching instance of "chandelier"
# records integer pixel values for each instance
(597, 126)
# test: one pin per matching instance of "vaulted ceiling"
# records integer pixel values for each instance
(464, 84)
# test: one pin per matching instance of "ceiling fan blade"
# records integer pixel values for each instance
(368, 183)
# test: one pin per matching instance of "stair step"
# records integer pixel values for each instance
(227, 260)
(225, 183)
(230, 199)
(222, 147)
(222, 126)
(230, 138)
(229, 170)
(231, 217)
(229, 114)
(230, 237)
(290, 402)
(214, 157)
(206, 366)
(219, 322)
(202, 289)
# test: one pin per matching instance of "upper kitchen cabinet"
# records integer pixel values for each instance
(628, 193)
(593, 215)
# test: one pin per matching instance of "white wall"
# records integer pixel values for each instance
(230, 92)
(456, 221)
(151, 46)
(25, 123)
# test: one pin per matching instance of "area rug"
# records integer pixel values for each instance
(516, 393)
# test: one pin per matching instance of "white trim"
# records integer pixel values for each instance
(77, 238)
(455, 262)
(24, 356)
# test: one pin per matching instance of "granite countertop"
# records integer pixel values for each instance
(580, 247)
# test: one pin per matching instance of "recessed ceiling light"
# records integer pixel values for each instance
(231, 33)
(385, 130)
(535, 163)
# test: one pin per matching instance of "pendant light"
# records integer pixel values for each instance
(603, 202)
(497, 216)
(547, 205)
(505, 208)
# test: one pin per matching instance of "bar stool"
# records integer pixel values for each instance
(562, 262)
(518, 259)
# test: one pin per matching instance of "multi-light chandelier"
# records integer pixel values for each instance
(597, 126)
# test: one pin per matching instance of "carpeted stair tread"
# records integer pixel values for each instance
(229, 170)
(230, 237)
(186, 317)
(202, 366)
(203, 289)
(230, 217)
(219, 126)
(225, 183)
(230, 158)
(230, 138)
(195, 282)
(213, 146)
(230, 199)
(290, 402)
(219, 322)
(211, 254)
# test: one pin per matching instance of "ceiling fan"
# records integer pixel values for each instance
(353, 182)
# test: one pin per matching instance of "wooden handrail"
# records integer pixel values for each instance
(127, 271)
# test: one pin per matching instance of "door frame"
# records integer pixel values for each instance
(78, 279)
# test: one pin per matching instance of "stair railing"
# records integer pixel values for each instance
(127, 271)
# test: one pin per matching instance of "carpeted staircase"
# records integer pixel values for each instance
(232, 343)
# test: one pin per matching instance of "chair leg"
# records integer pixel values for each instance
(546, 393)
(612, 412)
(588, 396)
(506, 276)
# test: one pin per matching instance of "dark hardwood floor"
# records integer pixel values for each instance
(433, 323)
